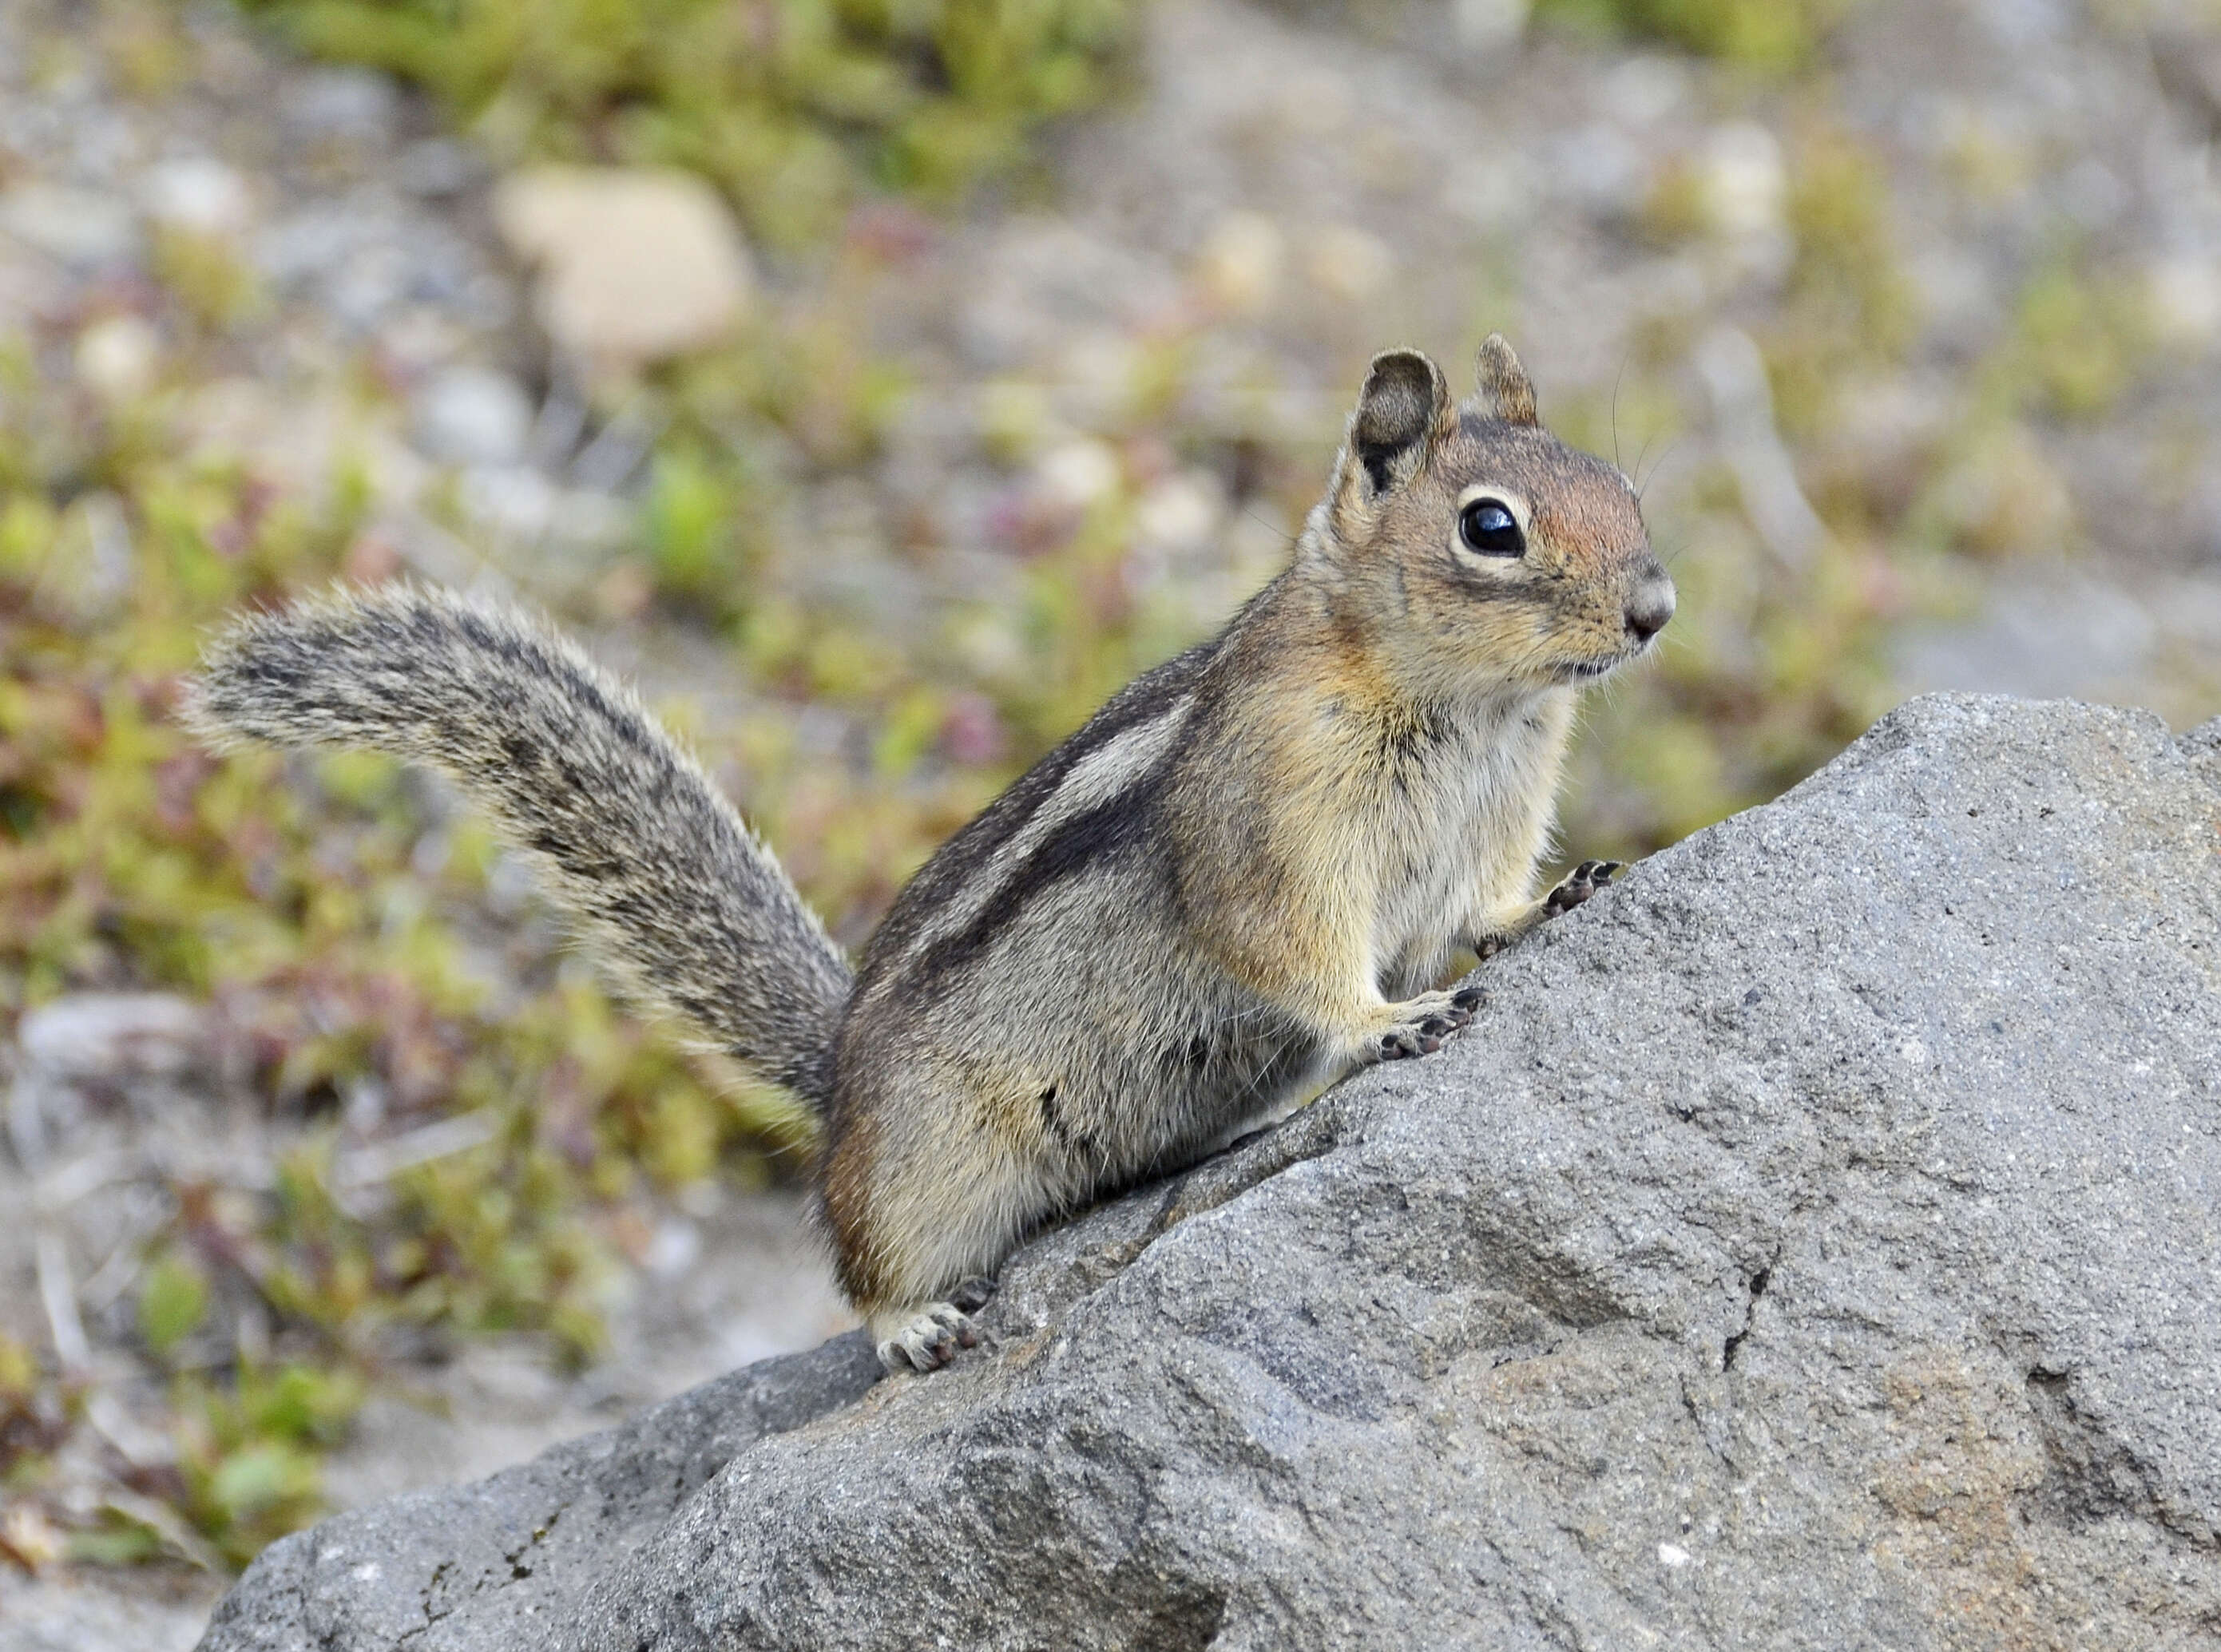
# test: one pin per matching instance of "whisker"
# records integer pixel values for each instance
(1665, 454)
(1268, 524)
(1615, 379)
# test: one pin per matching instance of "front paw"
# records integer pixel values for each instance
(1582, 882)
(926, 1337)
(1422, 1025)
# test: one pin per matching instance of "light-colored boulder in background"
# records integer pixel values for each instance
(633, 265)
(1814, 1243)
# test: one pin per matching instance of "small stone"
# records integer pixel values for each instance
(196, 194)
(634, 266)
(2093, 196)
(675, 1246)
(108, 1035)
(27, 1538)
(117, 356)
(473, 415)
(1489, 191)
(1350, 263)
(1645, 90)
(1075, 474)
(79, 227)
(516, 502)
(1746, 185)
(1180, 513)
(1240, 264)
(2184, 296)
(358, 105)
(1597, 166)
(437, 167)
(1485, 25)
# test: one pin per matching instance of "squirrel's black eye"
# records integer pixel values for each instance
(1488, 526)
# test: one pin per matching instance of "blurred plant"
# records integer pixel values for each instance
(249, 1448)
(1768, 36)
(791, 107)
(325, 909)
(1775, 662)
(2081, 335)
(1845, 306)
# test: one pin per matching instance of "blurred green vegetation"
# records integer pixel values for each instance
(792, 107)
(334, 915)
(1769, 37)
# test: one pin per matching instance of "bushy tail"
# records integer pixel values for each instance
(672, 890)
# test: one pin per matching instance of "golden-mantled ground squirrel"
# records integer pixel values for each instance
(1245, 876)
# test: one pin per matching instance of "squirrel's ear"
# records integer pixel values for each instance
(1506, 390)
(1404, 406)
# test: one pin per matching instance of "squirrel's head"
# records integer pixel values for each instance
(1514, 557)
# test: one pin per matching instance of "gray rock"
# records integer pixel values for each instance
(1813, 1243)
(469, 415)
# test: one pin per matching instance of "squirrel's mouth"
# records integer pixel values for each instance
(1588, 670)
(1582, 670)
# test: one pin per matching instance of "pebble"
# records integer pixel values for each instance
(1597, 166)
(84, 227)
(437, 167)
(1745, 182)
(116, 358)
(633, 265)
(2184, 296)
(1075, 474)
(92, 1041)
(1351, 265)
(469, 415)
(106, 1035)
(196, 194)
(1489, 25)
(358, 105)
(1181, 513)
(1239, 263)
(518, 503)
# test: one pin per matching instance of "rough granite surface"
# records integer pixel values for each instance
(1815, 1243)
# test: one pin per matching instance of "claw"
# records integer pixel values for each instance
(1582, 882)
(931, 1338)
